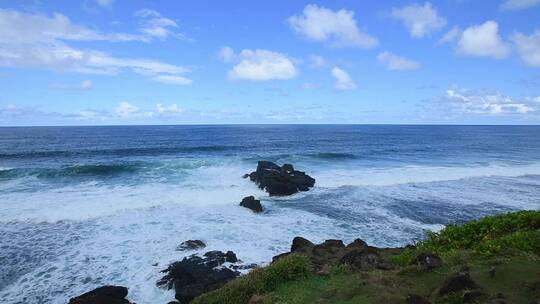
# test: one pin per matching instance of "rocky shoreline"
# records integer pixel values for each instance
(200, 274)
(197, 274)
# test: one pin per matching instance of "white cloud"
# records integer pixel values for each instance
(514, 5)
(105, 3)
(226, 54)
(37, 41)
(126, 109)
(82, 86)
(396, 63)
(482, 40)
(172, 79)
(156, 26)
(339, 28)
(343, 80)
(168, 110)
(451, 36)
(20, 28)
(465, 101)
(528, 47)
(420, 20)
(261, 65)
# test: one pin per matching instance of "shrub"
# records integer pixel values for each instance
(259, 281)
(517, 231)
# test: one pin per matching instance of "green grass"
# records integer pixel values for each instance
(489, 236)
(509, 242)
(259, 281)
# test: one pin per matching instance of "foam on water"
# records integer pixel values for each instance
(205, 186)
(85, 207)
(385, 176)
(121, 249)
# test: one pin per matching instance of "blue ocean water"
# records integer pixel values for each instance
(86, 206)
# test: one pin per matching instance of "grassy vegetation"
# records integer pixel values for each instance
(260, 281)
(501, 253)
(510, 233)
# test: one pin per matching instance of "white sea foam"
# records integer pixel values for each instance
(130, 226)
(123, 248)
(206, 186)
(382, 176)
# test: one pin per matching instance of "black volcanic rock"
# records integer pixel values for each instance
(103, 295)
(300, 244)
(195, 275)
(251, 203)
(357, 255)
(280, 181)
(191, 245)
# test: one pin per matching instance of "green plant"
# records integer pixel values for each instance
(259, 281)
(517, 231)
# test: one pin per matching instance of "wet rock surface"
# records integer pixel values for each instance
(191, 245)
(195, 275)
(103, 295)
(251, 203)
(280, 181)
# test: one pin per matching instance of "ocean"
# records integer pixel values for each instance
(81, 207)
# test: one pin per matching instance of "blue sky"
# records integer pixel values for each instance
(98, 62)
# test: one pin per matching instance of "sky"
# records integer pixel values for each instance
(120, 62)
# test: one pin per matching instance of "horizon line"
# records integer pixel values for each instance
(267, 124)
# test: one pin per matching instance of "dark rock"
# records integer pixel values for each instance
(300, 244)
(216, 258)
(279, 181)
(428, 261)
(288, 168)
(251, 203)
(245, 267)
(245, 175)
(357, 244)
(458, 282)
(195, 275)
(357, 254)
(191, 245)
(364, 259)
(416, 299)
(103, 295)
(473, 296)
(279, 256)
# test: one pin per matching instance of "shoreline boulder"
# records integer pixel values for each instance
(280, 181)
(195, 275)
(251, 203)
(357, 255)
(105, 294)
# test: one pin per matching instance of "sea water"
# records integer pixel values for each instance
(82, 207)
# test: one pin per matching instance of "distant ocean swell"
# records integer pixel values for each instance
(118, 152)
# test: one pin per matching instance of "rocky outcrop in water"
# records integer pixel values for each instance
(191, 245)
(280, 181)
(251, 203)
(103, 295)
(195, 275)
